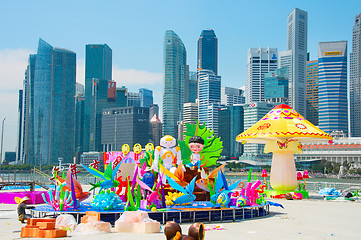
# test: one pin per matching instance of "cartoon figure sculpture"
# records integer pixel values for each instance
(196, 145)
(169, 152)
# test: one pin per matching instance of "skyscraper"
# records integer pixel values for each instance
(253, 112)
(146, 97)
(192, 88)
(332, 86)
(98, 65)
(124, 125)
(297, 42)
(276, 85)
(190, 114)
(260, 61)
(156, 129)
(175, 61)
(230, 124)
(209, 91)
(231, 96)
(28, 152)
(50, 106)
(355, 79)
(20, 126)
(208, 51)
(312, 91)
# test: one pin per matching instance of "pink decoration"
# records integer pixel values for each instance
(299, 176)
(305, 174)
(264, 173)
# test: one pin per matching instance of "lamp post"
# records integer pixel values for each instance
(2, 137)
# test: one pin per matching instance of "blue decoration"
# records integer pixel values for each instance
(107, 200)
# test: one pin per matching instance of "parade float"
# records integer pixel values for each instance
(283, 130)
(178, 180)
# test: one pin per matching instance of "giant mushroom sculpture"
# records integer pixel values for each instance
(283, 130)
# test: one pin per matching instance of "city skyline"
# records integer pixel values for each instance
(130, 61)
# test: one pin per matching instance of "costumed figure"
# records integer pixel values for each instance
(169, 153)
(196, 145)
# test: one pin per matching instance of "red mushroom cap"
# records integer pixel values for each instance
(299, 176)
(305, 174)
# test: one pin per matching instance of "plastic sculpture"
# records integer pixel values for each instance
(188, 196)
(168, 152)
(61, 201)
(211, 150)
(107, 177)
(282, 130)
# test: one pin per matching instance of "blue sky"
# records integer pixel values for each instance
(135, 31)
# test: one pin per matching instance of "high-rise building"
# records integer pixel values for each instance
(355, 79)
(28, 132)
(332, 86)
(276, 85)
(50, 105)
(209, 98)
(259, 62)
(253, 112)
(124, 125)
(230, 124)
(153, 110)
(175, 61)
(312, 91)
(190, 114)
(98, 65)
(79, 124)
(156, 129)
(20, 135)
(192, 87)
(146, 97)
(208, 51)
(133, 99)
(231, 96)
(297, 43)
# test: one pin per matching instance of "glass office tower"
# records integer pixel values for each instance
(332, 86)
(175, 61)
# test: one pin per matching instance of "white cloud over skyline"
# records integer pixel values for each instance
(13, 63)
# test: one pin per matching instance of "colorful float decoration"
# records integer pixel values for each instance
(283, 130)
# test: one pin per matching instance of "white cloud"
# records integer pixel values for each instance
(131, 77)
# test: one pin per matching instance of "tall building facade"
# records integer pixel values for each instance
(146, 97)
(98, 65)
(230, 124)
(19, 148)
(297, 43)
(28, 132)
(276, 85)
(124, 125)
(231, 96)
(153, 110)
(355, 79)
(156, 130)
(208, 51)
(332, 86)
(253, 112)
(50, 106)
(259, 62)
(175, 61)
(190, 114)
(312, 91)
(209, 98)
(191, 93)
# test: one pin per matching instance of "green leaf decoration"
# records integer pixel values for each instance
(148, 158)
(213, 145)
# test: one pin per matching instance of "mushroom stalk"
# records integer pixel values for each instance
(283, 171)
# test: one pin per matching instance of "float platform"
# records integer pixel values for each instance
(198, 212)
